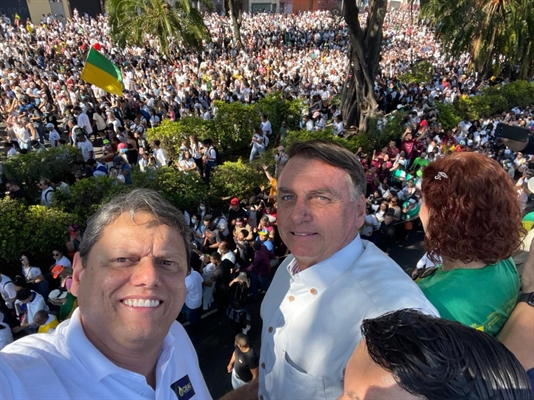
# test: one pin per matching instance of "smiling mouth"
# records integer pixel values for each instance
(141, 303)
(302, 234)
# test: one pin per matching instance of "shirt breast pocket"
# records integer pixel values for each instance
(303, 385)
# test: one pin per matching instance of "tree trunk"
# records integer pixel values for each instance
(358, 103)
(235, 9)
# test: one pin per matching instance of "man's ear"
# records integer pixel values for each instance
(77, 274)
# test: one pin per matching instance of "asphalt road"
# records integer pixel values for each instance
(214, 342)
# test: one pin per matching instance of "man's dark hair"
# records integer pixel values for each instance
(157, 142)
(91, 161)
(215, 255)
(23, 293)
(242, 340)
(335, 155)
(437, 359)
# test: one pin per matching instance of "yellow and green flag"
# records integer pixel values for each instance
(101, 72)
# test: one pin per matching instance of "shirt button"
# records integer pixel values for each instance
(270, 330)
(263, 365)
(313, 291)
(291, 298)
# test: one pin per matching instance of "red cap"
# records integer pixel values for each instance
(56, 270)
(234, 201)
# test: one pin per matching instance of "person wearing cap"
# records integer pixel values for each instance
(122, 342)
(53, 135)
(235, 211)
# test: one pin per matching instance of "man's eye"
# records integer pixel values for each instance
(121, 259)
(288, 197)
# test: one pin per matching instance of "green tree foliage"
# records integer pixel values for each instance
(234, 179)
(419, 72)
(183, 190)
(494, 32)
(448, 116)
(232, 127)
(131, 21)
(33, 229)
(29, 168)
(86, 196)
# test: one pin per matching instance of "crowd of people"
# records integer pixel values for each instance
(449, 182)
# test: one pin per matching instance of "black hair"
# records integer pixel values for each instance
(437, 359)
(23, 293)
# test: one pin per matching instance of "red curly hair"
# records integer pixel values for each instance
(474, 213)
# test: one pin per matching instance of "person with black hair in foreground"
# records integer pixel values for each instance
(406, 354)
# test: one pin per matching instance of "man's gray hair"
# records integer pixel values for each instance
(137, 200)
(335, 155)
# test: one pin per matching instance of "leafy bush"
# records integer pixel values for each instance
(183, 190)
(448, 115)
(235, 123)
(419, 72)
(517, 94)
(87, 195)
(172, 134)
(234, 179)
(279, 109)
(29, 168)
(34, 229)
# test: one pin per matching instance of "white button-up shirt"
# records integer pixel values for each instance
(311, 320)
(66, 365)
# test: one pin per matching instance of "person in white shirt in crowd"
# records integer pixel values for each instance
(82, 120)
(85, 146)
(47, 192)
(193, 298)
(7, 291)
(123, 340)
(159, 154)
(10, 149)
(266, 127)
(6, 337)
(332, 281)
(27, 304)
(258, 144)
(53, 135)
(339, 126)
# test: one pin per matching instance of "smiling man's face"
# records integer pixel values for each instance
(132, 284)
(316, 215)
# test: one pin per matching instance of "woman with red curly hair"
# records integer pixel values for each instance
(472, 219)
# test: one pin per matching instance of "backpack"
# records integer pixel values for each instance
(218, 158)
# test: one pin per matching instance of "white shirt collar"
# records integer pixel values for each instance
(322, 274)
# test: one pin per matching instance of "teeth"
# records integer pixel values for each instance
(300, 234)
(141, 303)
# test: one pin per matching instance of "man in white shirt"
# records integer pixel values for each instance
(123, 341)
(85, 146)
(333, 280)
(193, 298)
(159, 154)
(53, 135)
(46, 192)
(83, 120)
(266, 125)
(7, 291)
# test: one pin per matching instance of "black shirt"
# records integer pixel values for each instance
(244, 362)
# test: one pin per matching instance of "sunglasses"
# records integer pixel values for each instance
(55, 254)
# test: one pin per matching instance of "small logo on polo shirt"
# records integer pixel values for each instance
(183, 388)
